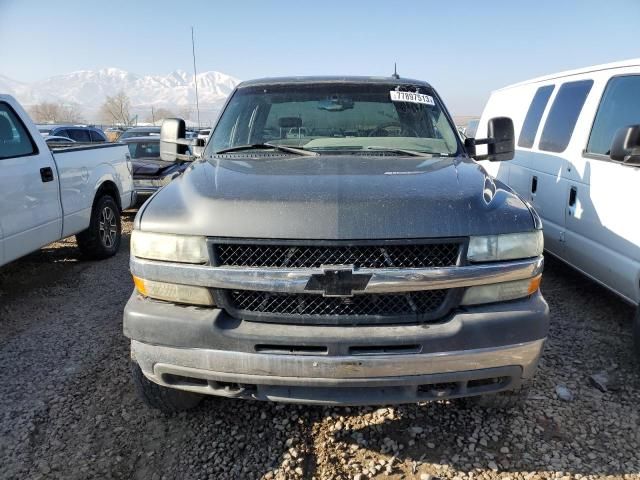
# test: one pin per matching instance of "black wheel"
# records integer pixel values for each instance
(102, 238)
(636, 333)
(167, 400)
(505, 400)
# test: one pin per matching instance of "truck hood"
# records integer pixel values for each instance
(335, 197)
(150, 167)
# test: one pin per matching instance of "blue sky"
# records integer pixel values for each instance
(464, 48)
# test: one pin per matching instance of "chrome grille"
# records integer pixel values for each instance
(360, 256)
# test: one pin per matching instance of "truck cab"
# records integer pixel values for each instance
(335, 243)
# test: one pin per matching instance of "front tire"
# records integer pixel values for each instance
(167, 400)
(102, 238)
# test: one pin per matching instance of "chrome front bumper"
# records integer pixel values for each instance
(346, 380)
(146, 191)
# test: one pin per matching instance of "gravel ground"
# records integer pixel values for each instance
(68, 410)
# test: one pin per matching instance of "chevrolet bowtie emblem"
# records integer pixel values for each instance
(338, 281)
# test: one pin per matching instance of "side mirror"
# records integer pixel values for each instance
(500, 141)
(172, 130)
(626, 145)
(173, 144)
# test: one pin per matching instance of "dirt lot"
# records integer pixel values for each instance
(68, 410)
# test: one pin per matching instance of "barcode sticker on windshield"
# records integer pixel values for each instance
(412, 97)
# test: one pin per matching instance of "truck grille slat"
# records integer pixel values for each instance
(414, 304)
(362, 256)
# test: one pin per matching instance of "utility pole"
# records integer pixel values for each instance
(195, 74)
(153, 117)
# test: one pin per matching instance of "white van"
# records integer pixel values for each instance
(578, 162)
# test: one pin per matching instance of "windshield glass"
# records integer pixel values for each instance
(144, 150)
(139, 133)
(336, 117)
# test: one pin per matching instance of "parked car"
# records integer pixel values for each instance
(47, 195)
(139, 132)
(577, 161)
(371, 261)
(204, 134)
(113, 133)
(77, 133)
(57, 139)
(150, 172)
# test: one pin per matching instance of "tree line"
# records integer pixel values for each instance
(116, 110)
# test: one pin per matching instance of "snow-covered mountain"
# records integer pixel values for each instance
(88, 89)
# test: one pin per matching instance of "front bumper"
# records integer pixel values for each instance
(143, 194)
(478, 350)
(146, 192)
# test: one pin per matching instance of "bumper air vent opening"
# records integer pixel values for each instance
(172, 379)
(385, 350)
(291, 349)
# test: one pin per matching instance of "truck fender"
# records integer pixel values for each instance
(107, 181)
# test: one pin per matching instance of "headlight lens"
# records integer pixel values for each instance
(511, 246)
(170, 248)
(172, 292)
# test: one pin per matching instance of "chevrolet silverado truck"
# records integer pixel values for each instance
(336, 243)
(48, 193)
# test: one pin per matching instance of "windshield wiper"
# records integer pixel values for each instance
(412, 153)
(266, 146)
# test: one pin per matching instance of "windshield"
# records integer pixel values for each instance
(139, 133)
(336, 117)
(144, 150)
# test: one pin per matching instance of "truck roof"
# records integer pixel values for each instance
(567, 73)
(333, 79)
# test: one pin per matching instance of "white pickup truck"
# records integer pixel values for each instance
(48, 195)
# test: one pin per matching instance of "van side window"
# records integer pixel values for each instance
(15, 141)
(563, 115)
(534, 114)
(619, 107)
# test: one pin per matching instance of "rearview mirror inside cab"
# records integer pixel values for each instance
(500, 141)
(626, 145)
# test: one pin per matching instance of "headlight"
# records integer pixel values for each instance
(501, 292)
(170, 248)
(173, 292)
(510, 246)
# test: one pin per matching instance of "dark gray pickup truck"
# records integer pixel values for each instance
(335, 243)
